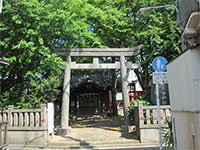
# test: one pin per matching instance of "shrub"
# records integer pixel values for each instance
(143, 99)
(168, 138)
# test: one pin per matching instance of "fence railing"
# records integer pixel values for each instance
(147, 115)
(25, 118)
(3, 134)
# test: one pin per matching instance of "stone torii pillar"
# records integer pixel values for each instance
(124, 76)
(65, 128)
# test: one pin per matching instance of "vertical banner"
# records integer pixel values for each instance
(50, 117)
(1, 4)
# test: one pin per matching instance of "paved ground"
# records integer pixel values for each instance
(95, 130)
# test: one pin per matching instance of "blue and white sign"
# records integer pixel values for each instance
(159, 64)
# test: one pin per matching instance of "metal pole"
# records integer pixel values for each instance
(144, 10)
(165, 6)
(158, 112)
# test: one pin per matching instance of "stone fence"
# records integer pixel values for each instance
(26, 126)
(146, 121)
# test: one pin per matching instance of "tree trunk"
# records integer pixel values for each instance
(139, 76)
(143, 79)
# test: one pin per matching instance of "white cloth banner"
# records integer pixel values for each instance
(50, 117)
(1, 4)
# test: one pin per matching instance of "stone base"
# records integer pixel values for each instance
(27, 136)
(64, 131)
(126, 129)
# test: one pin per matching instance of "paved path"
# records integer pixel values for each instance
(95, 130)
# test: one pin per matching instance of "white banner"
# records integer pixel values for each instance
(1, 4)
(50, 117)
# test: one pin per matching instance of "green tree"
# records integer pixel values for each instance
(32, 30)
(29, 32)
(158, 32)
(117, 24)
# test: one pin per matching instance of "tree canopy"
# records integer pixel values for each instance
(32, 30)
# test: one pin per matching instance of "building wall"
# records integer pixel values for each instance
(184, 81)
(184, 88)
(187, 125)
(185, 8)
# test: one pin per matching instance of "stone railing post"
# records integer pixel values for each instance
(16, 118)
(37, 119)
(10, 117)
(148, 117)
(44, 115)
(168, 116)
(32, 121)
(136, 115)
(161, 116)
(155, 117)
(26, 119)
(136, 119)
(21, 119)
(141, 115)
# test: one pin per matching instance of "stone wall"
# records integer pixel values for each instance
(26, 126)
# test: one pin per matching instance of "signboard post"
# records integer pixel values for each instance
(159, 77)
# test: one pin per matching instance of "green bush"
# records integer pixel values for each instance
(143, 99)
(168, 138)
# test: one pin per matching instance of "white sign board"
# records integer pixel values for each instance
(160, 78)
(50, 117)
(1, 4)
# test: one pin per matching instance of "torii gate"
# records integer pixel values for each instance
(95, 53)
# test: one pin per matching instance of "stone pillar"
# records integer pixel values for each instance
(125, 127)
(65, 129)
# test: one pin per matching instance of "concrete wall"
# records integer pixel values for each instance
(149, 135)
(27, 137)
(184, 89)
(184, 81)
(187, 130)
